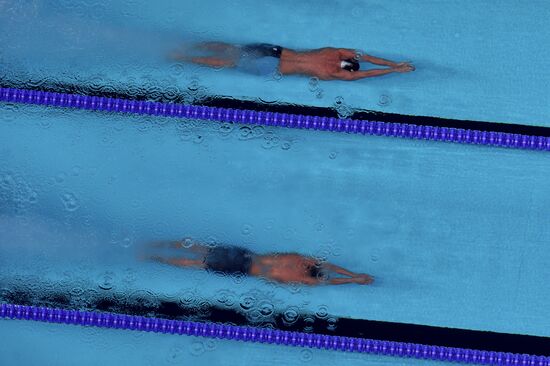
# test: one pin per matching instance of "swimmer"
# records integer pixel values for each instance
(279, 267)
(264, 59)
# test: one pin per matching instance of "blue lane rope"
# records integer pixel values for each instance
(270, 336)
(365, 127)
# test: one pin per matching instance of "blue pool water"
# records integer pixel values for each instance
(455, 235)
(475, 60)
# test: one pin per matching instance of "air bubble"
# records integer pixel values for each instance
(286, 145)
(197, 348)
(265, 308)
(70, 201)
(374, 258)
(177, 68)
(268, 101)
(174, 354)
(209, 345)
(245, 133)
(270, 140)
(45, 123)
(188, 298)
(171, 93)
(106, 281)
(333, 155)
(336, 251)
(226, 128)
(331, 323)
(258, 131)
(238, 278)
(129, 276)
(277, 75)
(198, 139)
(247, 302)
(309, 321)
(384, 100)
(187, 242)
(211, 242)
(322, 312)
(254, 315)
(320, 94)
(226, 298)
(76, 291)
(338, 101)
(306, 355)
(204, 308)
(194, 85)
(247, 229)
(290, 316)
(126, 242)
(313, 84)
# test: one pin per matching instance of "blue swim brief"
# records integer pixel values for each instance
(259, 58)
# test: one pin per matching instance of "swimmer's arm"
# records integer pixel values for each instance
(338, 269)
(379, 61)
(356, 75)
(332, 281)
(341, 281)
(347, 53)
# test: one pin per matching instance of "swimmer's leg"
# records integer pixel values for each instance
(166, 244)
(179, 262)
(213, 61)
(215, 46)
(218, 54)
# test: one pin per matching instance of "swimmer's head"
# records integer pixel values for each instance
(349, 64)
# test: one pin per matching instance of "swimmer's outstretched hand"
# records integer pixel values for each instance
(404, 67)
(363, 279)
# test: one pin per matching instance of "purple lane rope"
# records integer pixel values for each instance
(365, 127)
(270, 336)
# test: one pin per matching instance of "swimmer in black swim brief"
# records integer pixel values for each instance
(262, 58)
(280, 267)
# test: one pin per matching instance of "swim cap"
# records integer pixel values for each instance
(349, 64)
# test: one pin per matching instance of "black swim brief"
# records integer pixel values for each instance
(228, 259)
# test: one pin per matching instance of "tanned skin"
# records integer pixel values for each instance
(322, 63)
(279, 267)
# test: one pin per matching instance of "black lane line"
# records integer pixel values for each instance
(195, 97)
(145, 303)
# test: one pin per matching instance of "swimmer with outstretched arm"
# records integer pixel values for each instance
(264, 59)
(279, 267)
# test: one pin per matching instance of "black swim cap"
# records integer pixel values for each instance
(349, 64)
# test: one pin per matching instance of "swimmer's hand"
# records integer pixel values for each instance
(403, 67)
(363, 279)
